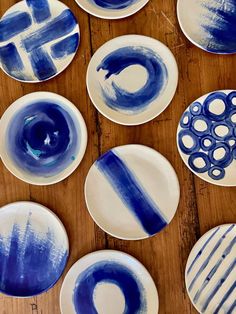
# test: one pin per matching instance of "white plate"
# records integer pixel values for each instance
(106, 282)
(38, 40)
(131, 79)
(206, 137)
(210, 272)
(132, 192)
(34, 249)
(209, 24)
(43, 138)
(110, 9)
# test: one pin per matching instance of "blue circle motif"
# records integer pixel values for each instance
(205, 158)
(194, 105)
(214, 176)
(187, 150)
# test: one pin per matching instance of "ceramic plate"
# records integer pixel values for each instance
(132, 192)
(132, 79)
(112, 9)
(206, 137)
(43, 138)
(38, 40)
(33, 249)
(209, 24)
(210, 272)
(108, 282)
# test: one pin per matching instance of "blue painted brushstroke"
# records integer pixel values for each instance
(120, 59)
(114, 4)
(108, 272)
(42, 64)
(13, 24)
(65, 47)
(40, 9)
(225, 297)
(131, 192)
(231, 309)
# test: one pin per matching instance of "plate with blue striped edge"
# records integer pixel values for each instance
(34, 249)
(209, 24)
(206, 137)
(132, 79)
(132, 192)
(106, 282)
(210, 271)
(38, 40)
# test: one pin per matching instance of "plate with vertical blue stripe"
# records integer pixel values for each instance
(132, 192)
(210, 271)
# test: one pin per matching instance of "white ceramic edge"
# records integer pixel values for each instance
(83, 143)
(134, 238)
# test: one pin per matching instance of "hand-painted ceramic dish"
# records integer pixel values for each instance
(210, 272)
(38, 40)
(132, 192)
(132, 79)
(206, 137)
(33, 249)
(108, 282)
(112, 9)
(43, 138)
(209, 24)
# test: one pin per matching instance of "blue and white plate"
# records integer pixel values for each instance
(132, 79)
(108, 282)
(206, 137)
(210, 272)
(132, 192)
(33, 249)
(38, 40)
(209, 24)
(43, 138)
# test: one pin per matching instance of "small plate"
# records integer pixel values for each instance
(43, 138)
(108, 282)
(38, 40)
(132, 192)
(206, 137)
(209, 24)
(132, 79)
(34, 249)
(210, 272)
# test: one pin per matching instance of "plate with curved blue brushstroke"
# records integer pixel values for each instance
(132, 192)
(38, 40)
(206, 137)
(43, 138)
(131, 79)
(34, 249)
(209, 24)
(210, 271)
(108, 282)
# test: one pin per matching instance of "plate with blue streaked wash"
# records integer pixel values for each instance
(132, 192)
(34, 249)
(131, 79)
(38, 40)
(209, 24)
(43, 138)
(206, 137)
(106, 282)
(210, 272)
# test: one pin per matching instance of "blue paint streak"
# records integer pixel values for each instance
(40, 9)
(233, 306)
(65, 47)
(131, 192)
(108, 272)
(225, 297)
(120, 59)
(114, 4)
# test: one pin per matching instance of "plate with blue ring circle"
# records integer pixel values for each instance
(206, 137)
(38, 40)
(132, 79)
(108, 282)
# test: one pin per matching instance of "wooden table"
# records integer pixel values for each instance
(202, 205)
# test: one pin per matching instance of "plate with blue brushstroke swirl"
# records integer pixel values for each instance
(132, 79)
(38, 40)
(210, 271)
(106, 282)
(34, 249)
(132, 192)
(206, 137)
(43, 138)
(209, 24)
